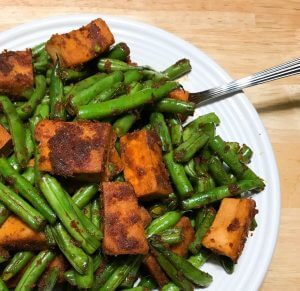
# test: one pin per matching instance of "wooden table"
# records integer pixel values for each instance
(243, 36)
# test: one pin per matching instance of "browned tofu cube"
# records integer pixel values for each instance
(16, 72)
(16, 235)
(80, 45)
(229, 231)
(143, 164)
(188, 236)
(146, 217)
(5, 142)
(179, 94)
(155, 270)
(123, 226)
(70, 148)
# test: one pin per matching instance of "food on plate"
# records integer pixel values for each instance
(102, 183)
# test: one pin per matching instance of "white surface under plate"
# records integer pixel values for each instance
(239, 122)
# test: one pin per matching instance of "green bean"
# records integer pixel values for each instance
(178, 69)
(186, 151)
(245, 154)
(137, 288)
(25, 111)
(120, 273)
(35, 270)
(87, 211)
(4, 213)
(197, 124)
(29, 142)
(49, 236)
(170, 287)
(123, 124)
(85, 194)
(119, 178)
(56, 92)
(128, 282)
(36, 50)
(218, 172)
(50, 279)
(110, 93)
(17, 131)
(75, 255)
(158, 122)
(234, 146)
(41, 62)
(4, 255)
(240, 170)
(70, 215)
(202, 199)
(86, 95)
(67, 74)
(14, 163)
(119, 52)
(193, 274)
(69, 276)
(3, 287)
(173, 272)
(200, 259)
(134, 87)
(96, 217)
(210, 130)
(124, 103)
(26, 190)
(112, 65)
(4, 122)
(28, 174)
(178, 176)
(163, 222)
(21, 208)
(86, 280)
(227, 264)
(253, 225)
(202, 228)
(175, 130)
(169, 105)
(171, 236)
(16, 264)
(132, 76)
(158, 210)
(147, 282)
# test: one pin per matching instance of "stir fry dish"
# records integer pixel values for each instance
(104, 183)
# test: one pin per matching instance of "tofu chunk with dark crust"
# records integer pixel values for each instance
(123, 225)
(143, 164)
(71, 148)
(188, 236)
(5, 142)
(16, 72)
(16, 235)
(80, 45)
(229, 231)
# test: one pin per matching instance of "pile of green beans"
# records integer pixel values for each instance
(203, 169)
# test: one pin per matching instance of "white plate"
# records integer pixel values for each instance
(239, 122)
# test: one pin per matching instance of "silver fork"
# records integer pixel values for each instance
(281, 71)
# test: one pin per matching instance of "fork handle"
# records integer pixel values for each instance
(277, 72)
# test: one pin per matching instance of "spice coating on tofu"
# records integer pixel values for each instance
(188, 236)
(68, 148)
(81, 45)
(143, 164)
(16, 235)
(16, 72)
(123, 225)
(229, 231)
(5, 142)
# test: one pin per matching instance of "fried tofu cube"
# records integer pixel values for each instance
(16, 72)
(188, 236)
(229, 231)
(143, 164)
(16, 235)
(123, 226)
(80, 45)
(146, 217)
(179, 94)
(5, 142)
(155, 270)
(70, 148)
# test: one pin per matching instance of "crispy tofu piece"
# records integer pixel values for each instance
(6, 145)
(16, 235)
(80, 45)
(16, 72)
(155, 270)
(123, 226)
(70, 148)
(229, 231)
(143, 164)
(179, 94)
(188, 236)
(146, 217)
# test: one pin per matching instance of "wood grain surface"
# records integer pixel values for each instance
(243, 36)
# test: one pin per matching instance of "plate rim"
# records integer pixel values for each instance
(208, 60)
